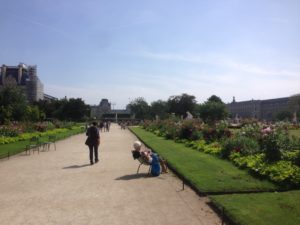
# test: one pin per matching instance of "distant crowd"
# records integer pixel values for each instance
(103, 126)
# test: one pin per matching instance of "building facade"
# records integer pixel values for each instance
(258, 109)
(104, 111)
(25, 77)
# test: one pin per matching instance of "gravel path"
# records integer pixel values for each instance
(60, 187)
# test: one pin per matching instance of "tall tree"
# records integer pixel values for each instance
(65, 109)
(213, 110)
(159, 108)
(214, 98)
(75, 109)
(140, 108)
(180, 104)
(12, 104)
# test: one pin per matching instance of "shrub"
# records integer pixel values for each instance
(251, 131)
(213, 148)
(293, 156)
(254, 162)
(209, 134)
(283, 172)
(271, 147)
(201, 145)
(8, 131)
(240, 144)
(189, 129)
(196, 135)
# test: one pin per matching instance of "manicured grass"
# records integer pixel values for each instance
(278, 208)
(17, 147)
(207, 173)
(295, 133)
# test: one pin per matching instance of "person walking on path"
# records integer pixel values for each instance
(93, 141)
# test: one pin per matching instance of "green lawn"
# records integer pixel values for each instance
(295, 133)
(17, 147)
(207, 173)
(261, 208)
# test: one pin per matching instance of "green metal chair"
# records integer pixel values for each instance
(33, 145)
(51, 140)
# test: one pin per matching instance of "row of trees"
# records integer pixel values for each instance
(14, 107)
(211, 110)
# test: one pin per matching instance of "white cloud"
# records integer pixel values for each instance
(221, 60)
(232, 78)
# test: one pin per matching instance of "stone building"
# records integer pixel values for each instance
(25, 77)
(104, 111)
(258, 109)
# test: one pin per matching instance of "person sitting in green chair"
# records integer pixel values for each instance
(147, 155)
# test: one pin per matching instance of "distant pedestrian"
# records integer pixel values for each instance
(107, 126)
(104, 126)
(101, 125)
(93, 141)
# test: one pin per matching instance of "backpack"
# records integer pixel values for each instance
(155, 167)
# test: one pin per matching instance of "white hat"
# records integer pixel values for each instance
(137, 145)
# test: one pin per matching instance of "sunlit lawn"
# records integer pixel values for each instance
(295, 133)
(278, 208)
(206, 172)
(213, 175)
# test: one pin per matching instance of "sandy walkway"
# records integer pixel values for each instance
(60, 187)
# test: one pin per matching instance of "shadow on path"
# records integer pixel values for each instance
(134, 176)
(76, 166)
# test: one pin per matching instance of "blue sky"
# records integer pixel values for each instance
(121, 50)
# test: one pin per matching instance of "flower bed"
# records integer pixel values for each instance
(265, 150)
(24, 131)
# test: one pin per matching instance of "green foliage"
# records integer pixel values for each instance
(159, 108)
(271, 147)
(23, 131)
(214, 98)
(19, 145)
(27, 136)
(189, 129)
(13, 104)
(212, 148)
(215, 132)
(293, 156)
(213, 110)
(254, 162)
(181, 104)
(252, 130)
(206, 172)
(239, 144)
(140, 108)
(253, 147)
(9, 131)
(201, 145)
(284, 116)
(73, 109)
(282, 172)
(276, 208)
(33, 113)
